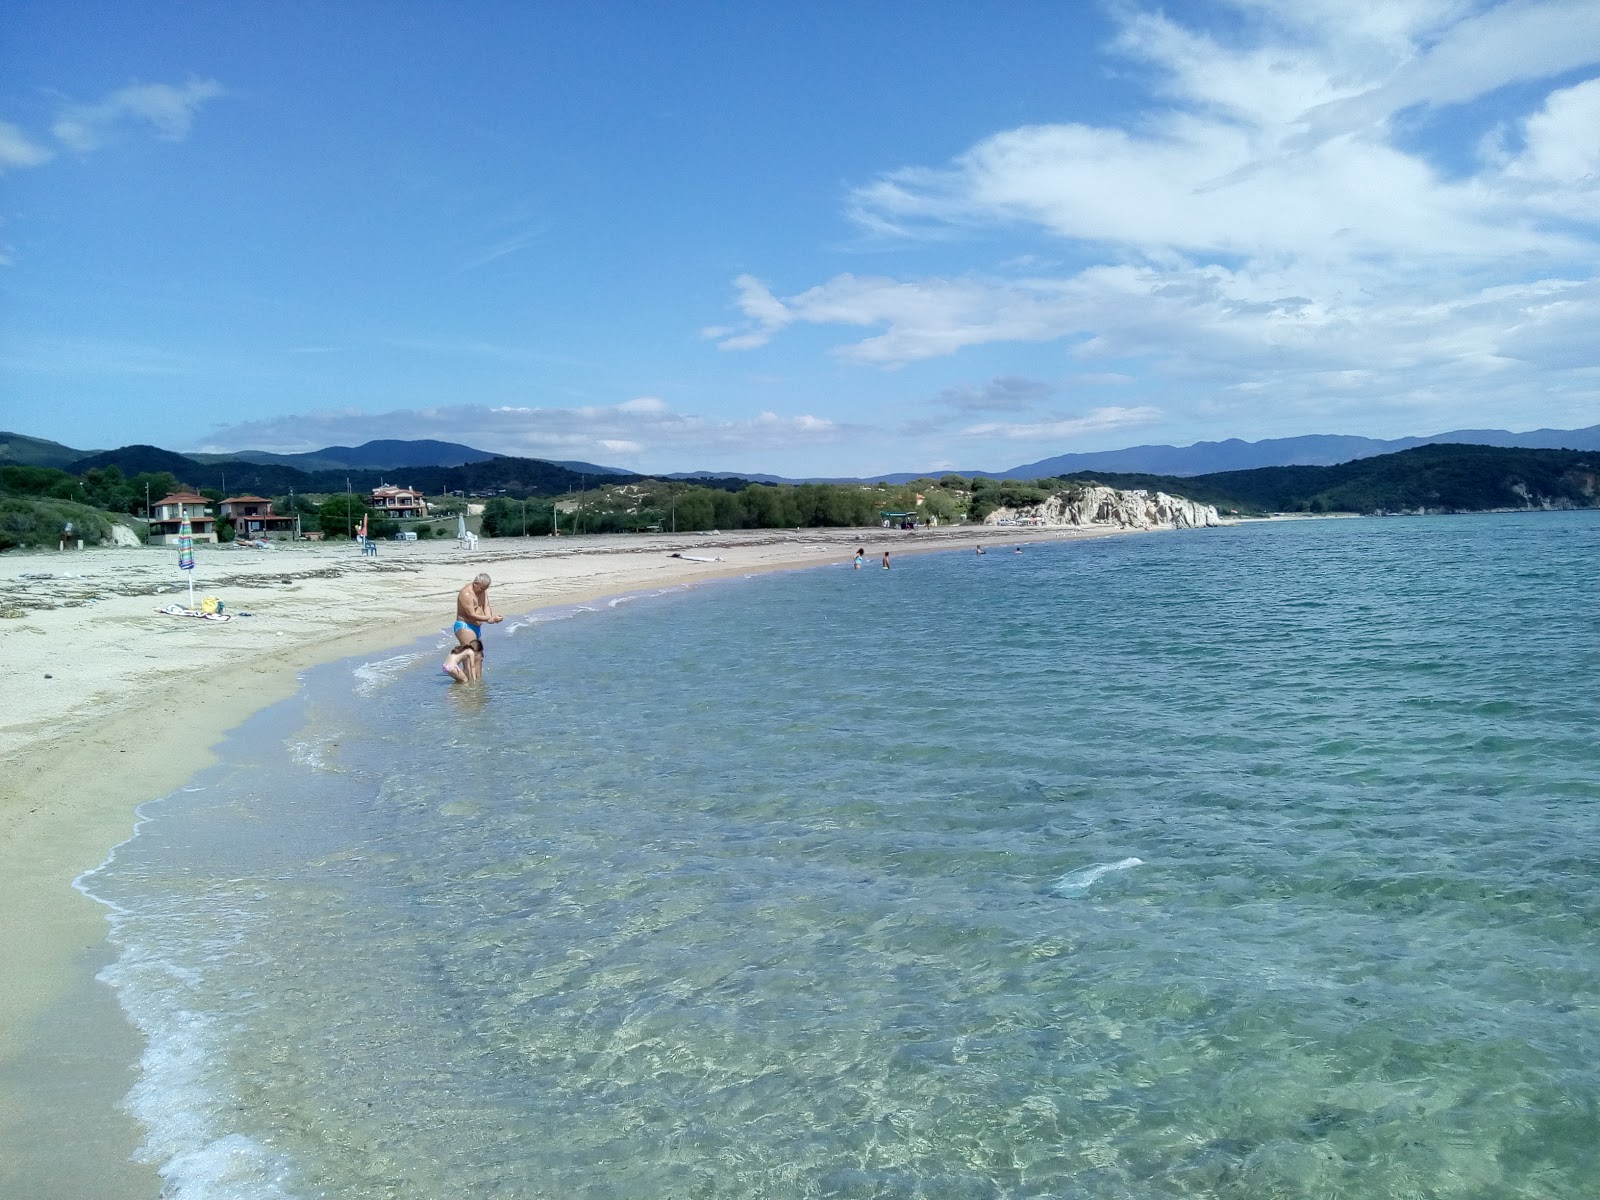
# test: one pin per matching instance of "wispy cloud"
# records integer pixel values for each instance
(629, 431)
(17, 149)
(169, 110)
(504, 247)
(1264, 221)
(1097, 420)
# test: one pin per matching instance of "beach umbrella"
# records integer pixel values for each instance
(363, 530)
(186, 551)
(461, 529)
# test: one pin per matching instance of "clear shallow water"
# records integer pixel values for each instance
(1257, 862)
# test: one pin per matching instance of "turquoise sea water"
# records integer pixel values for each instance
(1256, 862)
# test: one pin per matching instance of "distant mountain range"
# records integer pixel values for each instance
(386, 455)
(1433, 477)
(1313, 450)
(1202, 458)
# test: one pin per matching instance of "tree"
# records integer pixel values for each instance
(726, 511)
(507, 517)
(696, 509)
(941, 504)
(340, 514)
(37, 481)
(299, 505)
(152, 484)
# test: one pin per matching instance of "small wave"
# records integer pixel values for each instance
(311, 752)
(1076, 883)
(176, 1099)
(616, 600)
(381, 672)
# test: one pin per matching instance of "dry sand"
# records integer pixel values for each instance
(110, 704)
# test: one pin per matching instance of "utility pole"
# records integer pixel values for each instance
(524, 516)
(583, 494)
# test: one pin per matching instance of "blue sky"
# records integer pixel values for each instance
(830, 238)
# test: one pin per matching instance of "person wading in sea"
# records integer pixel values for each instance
(473, 612)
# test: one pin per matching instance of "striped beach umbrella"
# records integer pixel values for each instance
(186, 551)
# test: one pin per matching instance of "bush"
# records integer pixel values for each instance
(29, 522)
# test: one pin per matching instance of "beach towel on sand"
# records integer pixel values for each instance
(177, 610)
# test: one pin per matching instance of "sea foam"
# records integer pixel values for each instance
(1076, 883)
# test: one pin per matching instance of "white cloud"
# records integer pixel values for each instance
(17, 149)
(628, 431)
(168, 109)
(1098, 420)
(643, 404)
(1263, 222)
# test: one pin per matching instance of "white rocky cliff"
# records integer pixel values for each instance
(1109, 506)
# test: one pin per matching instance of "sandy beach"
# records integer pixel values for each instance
(115, 703)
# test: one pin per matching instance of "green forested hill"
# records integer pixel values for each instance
(1435, 478)
(521, 475)
(18, 449)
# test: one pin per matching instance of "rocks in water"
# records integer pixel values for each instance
(1111, 506)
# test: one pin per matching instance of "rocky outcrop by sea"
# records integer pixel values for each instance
(1111, 506)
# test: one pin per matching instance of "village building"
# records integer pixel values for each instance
(252, 517)
(404, 503)
(167, 514)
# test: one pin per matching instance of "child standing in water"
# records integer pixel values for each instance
(861, 553)
(464, 664)
(885, 560)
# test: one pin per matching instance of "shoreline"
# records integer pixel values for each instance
(130, 705)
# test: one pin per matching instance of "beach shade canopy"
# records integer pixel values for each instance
(186, 553)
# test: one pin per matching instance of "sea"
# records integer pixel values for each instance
(1255, 862)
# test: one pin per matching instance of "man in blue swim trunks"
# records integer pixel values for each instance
(473, 611)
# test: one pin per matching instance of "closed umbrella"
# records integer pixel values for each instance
(186, 551)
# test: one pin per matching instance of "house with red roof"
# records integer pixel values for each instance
(404, 503)
(167, 514)
(252, 517)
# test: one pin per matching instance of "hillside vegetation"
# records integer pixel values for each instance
(1434, 478)
(530, 495)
